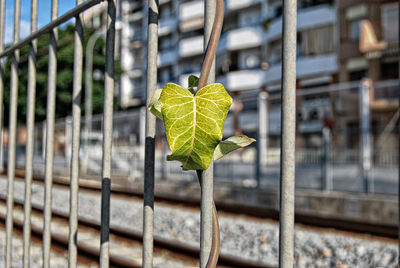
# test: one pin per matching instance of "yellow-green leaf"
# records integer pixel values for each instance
(155, 104)
(231, 144)
(193, 124)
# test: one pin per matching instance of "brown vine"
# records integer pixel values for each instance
(205, 72)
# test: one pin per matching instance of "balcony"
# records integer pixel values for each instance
(306, 18)
(241, 38)
(167, 57)
(239, 4)
(191, 10)
(167, 25)
(385, 95)
(242, 80)
(191, 46)
(306, 67)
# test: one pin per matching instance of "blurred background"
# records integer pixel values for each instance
(347, 90)
(347, 129)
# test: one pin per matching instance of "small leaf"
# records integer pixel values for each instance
(191, 89)
(193, 124)
(155, 104)
(193, 81)
(231, 144)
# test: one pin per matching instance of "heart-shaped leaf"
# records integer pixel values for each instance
(193, 124)
(231, 144)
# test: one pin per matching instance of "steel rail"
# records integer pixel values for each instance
(288, 131)
(312, 220)
(160, 242)
(148, 201)
(30, 122)
(12, 136)
(51, 25)
(107, 137)
(76, 129)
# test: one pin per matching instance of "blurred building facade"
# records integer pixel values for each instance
(330, 50)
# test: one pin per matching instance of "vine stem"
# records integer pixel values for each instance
(205, 72)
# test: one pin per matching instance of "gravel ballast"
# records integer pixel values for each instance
(245, 237)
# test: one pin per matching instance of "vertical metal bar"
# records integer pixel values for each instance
(89, 83)
(288, 112)
(12, 136)
(210, 8)
(326, 183)
(148, 206)
(50, 111)
(262, 134)
(398, 133)
(2, 12)
(365, 135)
(30, 122)
(107, 136)
(76, 129)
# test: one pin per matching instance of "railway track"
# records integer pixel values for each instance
(125, 248)
(354, 226)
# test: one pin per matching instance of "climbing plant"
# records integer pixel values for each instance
(194, 120)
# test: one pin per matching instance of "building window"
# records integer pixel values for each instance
(390, 22)
(316, 41)
(354, 30)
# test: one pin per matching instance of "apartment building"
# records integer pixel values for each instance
(368, 47)
(248, 55)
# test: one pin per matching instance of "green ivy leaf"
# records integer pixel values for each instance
(193, 124)
(193, 81)
(231, 144)
(155, 104)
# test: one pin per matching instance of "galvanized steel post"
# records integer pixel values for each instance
(107, 137)
(148, 206)
(30, 122)
(208, 175)
(88, 85)
(50, 111)
(262, 142)
(288, 112)
(365, 135)
(326, 183)
(76, 129)
(2, 12)
(12, 136)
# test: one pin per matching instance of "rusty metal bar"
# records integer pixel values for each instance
(76, 129)
(30, 122)
(12, 136)
(208, 175)
(148, 206)
(50, 111)
(107, 136)
(288, 115)
(51, 25)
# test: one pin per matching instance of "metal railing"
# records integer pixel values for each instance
(287, 147)
(31, 40)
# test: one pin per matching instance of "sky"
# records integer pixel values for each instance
(44, 9)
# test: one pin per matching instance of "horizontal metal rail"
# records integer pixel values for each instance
(51, 25)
